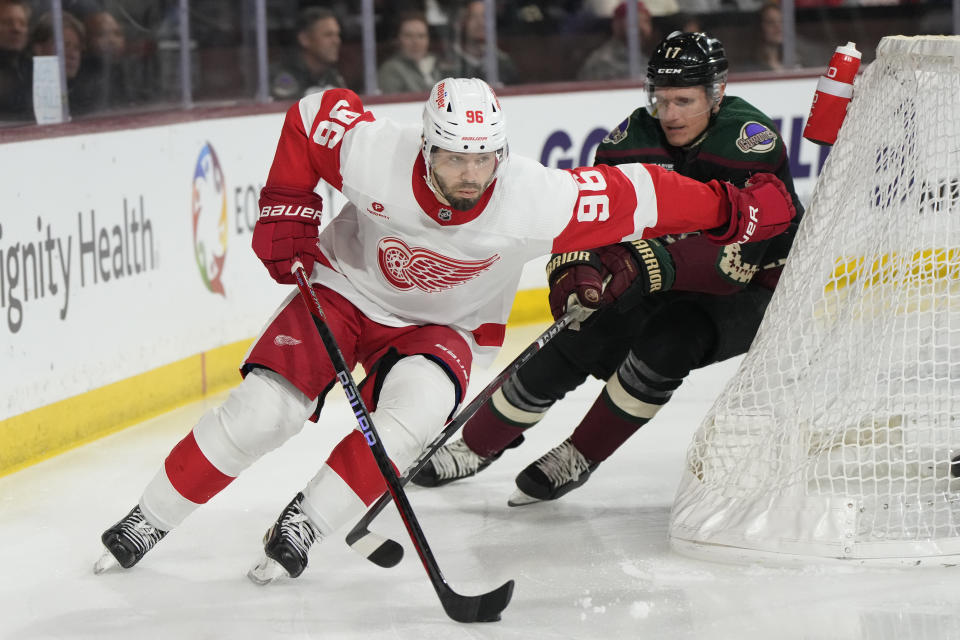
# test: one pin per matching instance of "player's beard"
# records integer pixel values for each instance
(460, 204)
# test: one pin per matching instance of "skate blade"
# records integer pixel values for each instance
(520, 499)
(265, 571)
(106, 563)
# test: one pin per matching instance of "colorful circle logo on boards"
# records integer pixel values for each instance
(209, 206)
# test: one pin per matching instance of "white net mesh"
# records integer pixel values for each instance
(835, 437)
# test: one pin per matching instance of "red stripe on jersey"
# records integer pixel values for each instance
(301, 158)
(684, 204)
(353, 461)
(490, 334)
(192, 474)
(604, 211)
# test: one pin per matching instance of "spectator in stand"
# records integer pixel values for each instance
(80, 93)
(468, 51)
(105, 36)
(14, 25)
(610, 61)
(413, 67)
(437, 13)
(105, 70)
(314, 66)
(15, 102)
(768, 48)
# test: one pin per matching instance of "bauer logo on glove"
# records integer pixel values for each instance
(291, 211)
(288, 227)
(761, 210)
(751, 225)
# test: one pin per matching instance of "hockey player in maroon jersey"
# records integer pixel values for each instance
(416, 275)
(682, 302)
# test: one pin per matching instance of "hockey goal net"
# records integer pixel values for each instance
(836, 435)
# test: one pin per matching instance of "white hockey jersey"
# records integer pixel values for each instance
(403, 257)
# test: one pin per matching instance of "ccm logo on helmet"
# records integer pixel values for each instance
(669, 70)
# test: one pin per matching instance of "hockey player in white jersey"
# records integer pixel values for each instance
(416, 275)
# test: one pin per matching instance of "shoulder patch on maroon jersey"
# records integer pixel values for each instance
(618, 134)
(407, 267)
(756, 138)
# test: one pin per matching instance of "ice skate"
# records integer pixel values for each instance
(555, 474)
(452, 462)
(127, 541)
(285, 545)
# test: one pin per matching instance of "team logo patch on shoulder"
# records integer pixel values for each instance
(756, 138)
(618, 134)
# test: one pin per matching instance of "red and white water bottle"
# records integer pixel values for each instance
(834, 91)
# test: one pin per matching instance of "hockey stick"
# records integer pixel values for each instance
(386, 552)
(482, 608)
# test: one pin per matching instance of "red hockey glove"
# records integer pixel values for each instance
(760, 210)
(576, 284)
(642, 267)
(288, 227)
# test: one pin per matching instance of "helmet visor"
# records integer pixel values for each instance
(678, 102)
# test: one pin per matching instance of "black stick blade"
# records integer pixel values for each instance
(387, 555)
(381, 551)
(482, 608)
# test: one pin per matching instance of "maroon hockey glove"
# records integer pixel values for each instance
(287, 228)
(576, 283)
(760, 210)
(641, 267)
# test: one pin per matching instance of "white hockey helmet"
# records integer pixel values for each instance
(463, 115)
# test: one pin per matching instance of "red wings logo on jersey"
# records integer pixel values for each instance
(407, 267)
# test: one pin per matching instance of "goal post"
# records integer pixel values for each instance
(834, 439)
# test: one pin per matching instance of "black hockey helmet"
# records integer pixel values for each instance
(687, 60)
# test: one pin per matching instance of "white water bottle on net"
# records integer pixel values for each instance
(835, 437)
